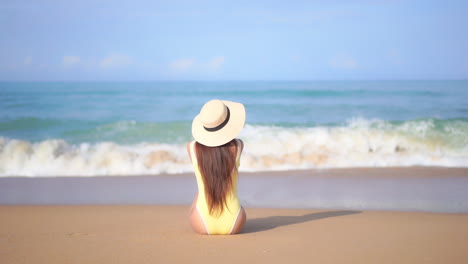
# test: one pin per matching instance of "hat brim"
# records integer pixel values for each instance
(222, 136)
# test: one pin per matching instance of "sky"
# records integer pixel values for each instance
(94, 40)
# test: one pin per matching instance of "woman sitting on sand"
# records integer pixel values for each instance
(215, 156)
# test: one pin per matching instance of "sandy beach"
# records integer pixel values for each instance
(141, 219)
(161, 234)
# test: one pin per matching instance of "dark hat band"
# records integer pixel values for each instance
(214, 129)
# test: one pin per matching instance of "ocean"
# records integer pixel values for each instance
(141, 128)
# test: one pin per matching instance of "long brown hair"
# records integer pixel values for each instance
(216, 165)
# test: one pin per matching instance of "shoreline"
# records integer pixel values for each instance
(401, 171)
(427, 189)
(153, 233)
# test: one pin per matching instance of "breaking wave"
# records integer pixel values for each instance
(359, 143)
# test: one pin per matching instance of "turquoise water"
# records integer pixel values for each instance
(342, 123)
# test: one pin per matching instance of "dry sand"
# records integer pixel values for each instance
(161, 234)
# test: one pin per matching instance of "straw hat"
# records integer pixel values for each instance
(218, 122)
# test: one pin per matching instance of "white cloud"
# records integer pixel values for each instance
(187, 65)
(343, 61)
(28, 60)
(216, 63)
(70, 61)
(116, 61)
(182, 64)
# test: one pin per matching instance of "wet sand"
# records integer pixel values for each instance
(430, 189)
(161, 234)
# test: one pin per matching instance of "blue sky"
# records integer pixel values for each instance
(233, 40)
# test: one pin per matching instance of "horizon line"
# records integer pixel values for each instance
(240, 80)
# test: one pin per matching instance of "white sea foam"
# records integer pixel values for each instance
(361, 143)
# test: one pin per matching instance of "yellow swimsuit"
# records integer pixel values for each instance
(224, 223)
